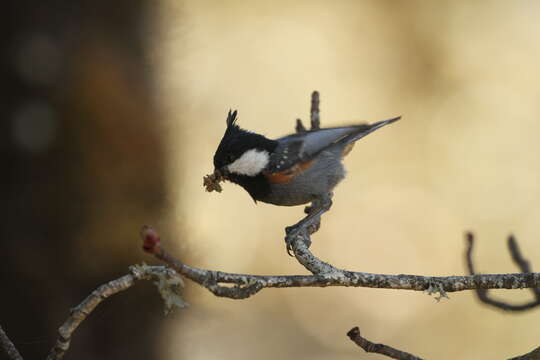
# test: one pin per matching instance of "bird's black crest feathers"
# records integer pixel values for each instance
(231, 118)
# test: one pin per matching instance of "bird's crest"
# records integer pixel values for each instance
(231, 118)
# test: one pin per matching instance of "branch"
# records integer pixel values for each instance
(324, 274)
(10, 349)
(81, 311)
(522, 264)
(368, 346)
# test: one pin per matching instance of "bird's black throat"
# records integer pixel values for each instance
(257, 186)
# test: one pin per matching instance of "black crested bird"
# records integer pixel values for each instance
(293, 170)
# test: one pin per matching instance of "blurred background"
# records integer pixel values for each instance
(112, 113)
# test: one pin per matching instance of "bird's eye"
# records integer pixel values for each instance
(230, 158)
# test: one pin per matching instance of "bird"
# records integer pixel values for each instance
(295, 169)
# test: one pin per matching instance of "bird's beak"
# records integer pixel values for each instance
(222, 172)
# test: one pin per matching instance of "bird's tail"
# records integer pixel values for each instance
(365, 130)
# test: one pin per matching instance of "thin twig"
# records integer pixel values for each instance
(300, 128)
(10, 349)
(368, 346)
(81, 311)
(315, 113)
(521, 262)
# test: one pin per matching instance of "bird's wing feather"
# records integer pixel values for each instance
(286, 155)
(299, 148)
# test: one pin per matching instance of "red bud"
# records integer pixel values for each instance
(150, 239)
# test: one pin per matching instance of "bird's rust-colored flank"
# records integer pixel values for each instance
(286, 176)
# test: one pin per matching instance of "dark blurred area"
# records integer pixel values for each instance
(84, 168)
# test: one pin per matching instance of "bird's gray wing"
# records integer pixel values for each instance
(287, 154)
(299, 148)
(296, 149)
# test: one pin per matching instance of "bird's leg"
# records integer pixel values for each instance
(314, 227)
(311, 222)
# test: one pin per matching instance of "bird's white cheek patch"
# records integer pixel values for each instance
(251, 163)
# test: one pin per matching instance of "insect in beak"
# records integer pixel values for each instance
(212, 182)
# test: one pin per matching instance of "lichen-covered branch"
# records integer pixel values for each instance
(81, 311)
(9, 349)
(522, 264)
(246, 285)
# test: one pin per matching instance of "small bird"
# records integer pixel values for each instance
(292, 170)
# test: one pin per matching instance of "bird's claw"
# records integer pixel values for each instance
(290, 234)
(293, 232)
(289, 248)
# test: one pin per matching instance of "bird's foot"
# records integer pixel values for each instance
(307, 226)
(291, 235)
(303, 230)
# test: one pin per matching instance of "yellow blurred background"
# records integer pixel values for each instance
(114, 111)
(464, 76)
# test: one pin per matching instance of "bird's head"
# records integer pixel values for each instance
(240, 152)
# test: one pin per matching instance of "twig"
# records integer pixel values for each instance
(299, 126)
(368, 346)
(315, 113)
(81, 311)
(246, 285)
(520, 261)
(10, 349)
